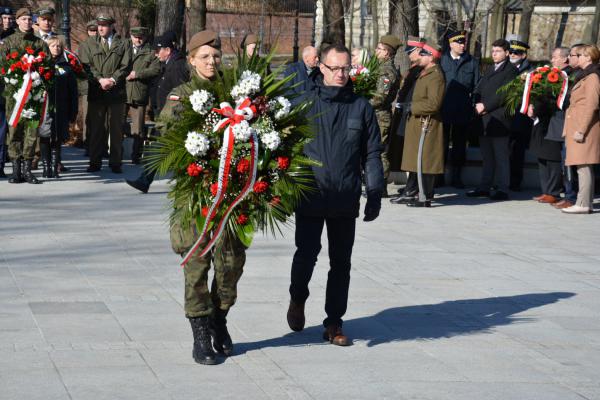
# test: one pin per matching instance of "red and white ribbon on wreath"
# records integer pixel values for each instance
(560, 100)
(23, 92)
(244, 111)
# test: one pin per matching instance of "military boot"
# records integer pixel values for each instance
(55, 169)
(221, 339)
(45, 153)
(17, 175)
(136, 149)
(203, 352)
(29, 176)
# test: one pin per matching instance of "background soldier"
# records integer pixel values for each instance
(461, 72)
(5, 32)
(387, 88)
(109, 61)
(45, 23)
(8, 22)
(145, 67)
(21, 140)
(82, 84)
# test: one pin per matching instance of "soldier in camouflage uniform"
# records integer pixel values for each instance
(21, 140)
(387, 87)
(206, 309)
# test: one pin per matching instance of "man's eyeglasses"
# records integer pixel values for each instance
(345, 69)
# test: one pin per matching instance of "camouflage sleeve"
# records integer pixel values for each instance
(385, 84)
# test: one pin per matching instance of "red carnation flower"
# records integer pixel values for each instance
(214, 188)
(553, 77)
(283, 163)
(275, 201)
(48, 75)
(554, 69)
(536, 78)
(2, 71)
(242, 219)
(260, 187)
(194, 169)
(14, 55)
(543, 69)
(353, 78)
(243, 166)
(41, 70)
(204, 211)
(29, 50)
(42, 54)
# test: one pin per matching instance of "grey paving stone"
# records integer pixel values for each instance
(68, 307)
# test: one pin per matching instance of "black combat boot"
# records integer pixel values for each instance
(55, 169)
(29, 176)
(203, 350)
(221, 339)
(45, 153)
(17, 175)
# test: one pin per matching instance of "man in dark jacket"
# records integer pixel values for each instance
(303, 70)
(174, 72)
(489, 105)
(347, 139)
(520, 129)
(461, 72)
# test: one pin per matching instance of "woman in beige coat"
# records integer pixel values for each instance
(426, 104)
(582, 128)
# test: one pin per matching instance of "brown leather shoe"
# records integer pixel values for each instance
(334, 335)
(562, 204)
(537, 198)
(548, 199)
(295, 316)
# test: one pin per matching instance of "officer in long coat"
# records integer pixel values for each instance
(387, 88)
(109, 62)
(145, 67)
(426, 109)
(22, 139)
(206, 310)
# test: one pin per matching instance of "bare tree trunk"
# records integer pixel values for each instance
(196, 16)
(350, 43)
(375, 22)
(333, 18)
(526, 13)
(169, 16)
(404, 22)
(595, 24)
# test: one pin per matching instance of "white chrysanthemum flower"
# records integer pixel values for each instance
(6, 80)
(281, 106)
(202, 101)
(242, 131)
(196, 144)
(28, 113)
(36, 82)
(13, 81)
(248, 84)
(271, 140)
(35, 76)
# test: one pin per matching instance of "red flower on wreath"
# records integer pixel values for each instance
(29, 50)
(204, 211)
(260, 187)
(214, 188)
(243, 166)
(48, 75)
(194, 169)
(554, 69)
(3, 71)
(553, 77)
(536, 78)
(275, 201)
(41, 70)
(242, 219)
(42, 54)
(14, 55)
(283, 163)
(543, 69)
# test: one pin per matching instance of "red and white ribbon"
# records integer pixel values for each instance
(526, 99)
(526, 93)
(244, 111)
(560, 100)
(23, 92)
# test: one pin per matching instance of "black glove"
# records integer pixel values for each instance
(372, 207)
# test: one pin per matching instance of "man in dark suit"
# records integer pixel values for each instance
(489, 105)
(303, 69)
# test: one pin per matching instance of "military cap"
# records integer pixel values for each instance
(46, 11)
(412, 43)
(22, 12)
(250, 38)
(516, 46)
(139, 31)
(457, 37)
(391, 41)
(103, 19)
(202, 38)
(167, 39)
(431, 50)
(92, 24)
(6, 11)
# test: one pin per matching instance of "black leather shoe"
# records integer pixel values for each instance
(203, 352)
(295, 316)
(402, 199)
(417, 203)
(478, 193)
(499, 196)
(116, 170)
(139, 185)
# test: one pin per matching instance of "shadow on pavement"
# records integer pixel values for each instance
(423, 322)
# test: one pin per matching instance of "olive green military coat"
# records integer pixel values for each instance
(426, 101)
(147, 67)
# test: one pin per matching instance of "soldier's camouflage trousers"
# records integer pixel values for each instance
(228, 256)
(21, 142)
(384, 119)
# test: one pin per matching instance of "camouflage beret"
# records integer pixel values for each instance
(23, 12)
(202, 38)
(391, 41)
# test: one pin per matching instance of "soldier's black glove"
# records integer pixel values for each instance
(372, 207)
